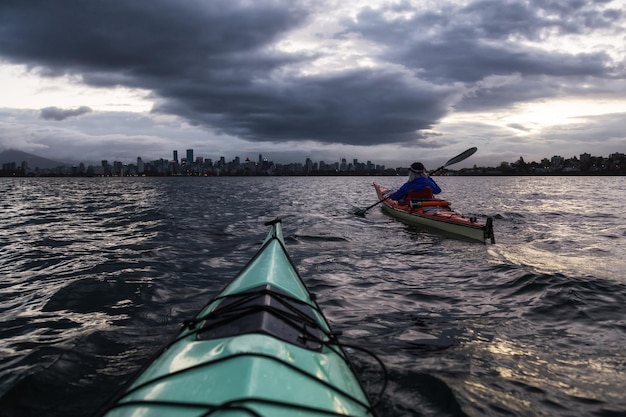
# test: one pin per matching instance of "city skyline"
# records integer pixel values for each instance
(201, 165)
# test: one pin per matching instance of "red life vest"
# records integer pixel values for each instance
(424, 194)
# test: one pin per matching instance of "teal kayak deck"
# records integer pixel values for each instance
(262, 347)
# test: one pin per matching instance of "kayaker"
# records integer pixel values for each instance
(419, 185)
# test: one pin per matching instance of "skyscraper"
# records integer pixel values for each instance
(175, 156)
(189, 156)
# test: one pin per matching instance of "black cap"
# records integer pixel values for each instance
(417, 167)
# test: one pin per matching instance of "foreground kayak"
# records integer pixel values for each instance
(436, 214)
(261, 347)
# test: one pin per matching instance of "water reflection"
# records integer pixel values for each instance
(512, 374)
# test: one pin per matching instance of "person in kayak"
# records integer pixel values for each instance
(419, 185)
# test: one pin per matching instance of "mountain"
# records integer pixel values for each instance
(33, 161)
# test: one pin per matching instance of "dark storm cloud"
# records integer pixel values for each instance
(358, 107)
(55, 113)
(159, 38)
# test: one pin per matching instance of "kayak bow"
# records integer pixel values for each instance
(261, 347)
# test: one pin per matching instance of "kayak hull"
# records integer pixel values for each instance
(436, 215)
(261, 347)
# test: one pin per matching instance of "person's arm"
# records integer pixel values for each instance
(400, 192)
(433, 185)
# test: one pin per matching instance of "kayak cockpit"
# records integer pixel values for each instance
(265, 310)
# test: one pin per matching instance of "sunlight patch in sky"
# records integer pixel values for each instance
(22, 89)
(531, 118)
(561, 112)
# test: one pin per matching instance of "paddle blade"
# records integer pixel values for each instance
(360, 212)
(462, 156)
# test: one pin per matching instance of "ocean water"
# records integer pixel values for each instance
(97, 273)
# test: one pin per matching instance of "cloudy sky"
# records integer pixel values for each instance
(386, 81)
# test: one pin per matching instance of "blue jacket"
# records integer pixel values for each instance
(417, 184)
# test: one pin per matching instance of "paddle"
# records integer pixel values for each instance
(361, 212)
(460, 157)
